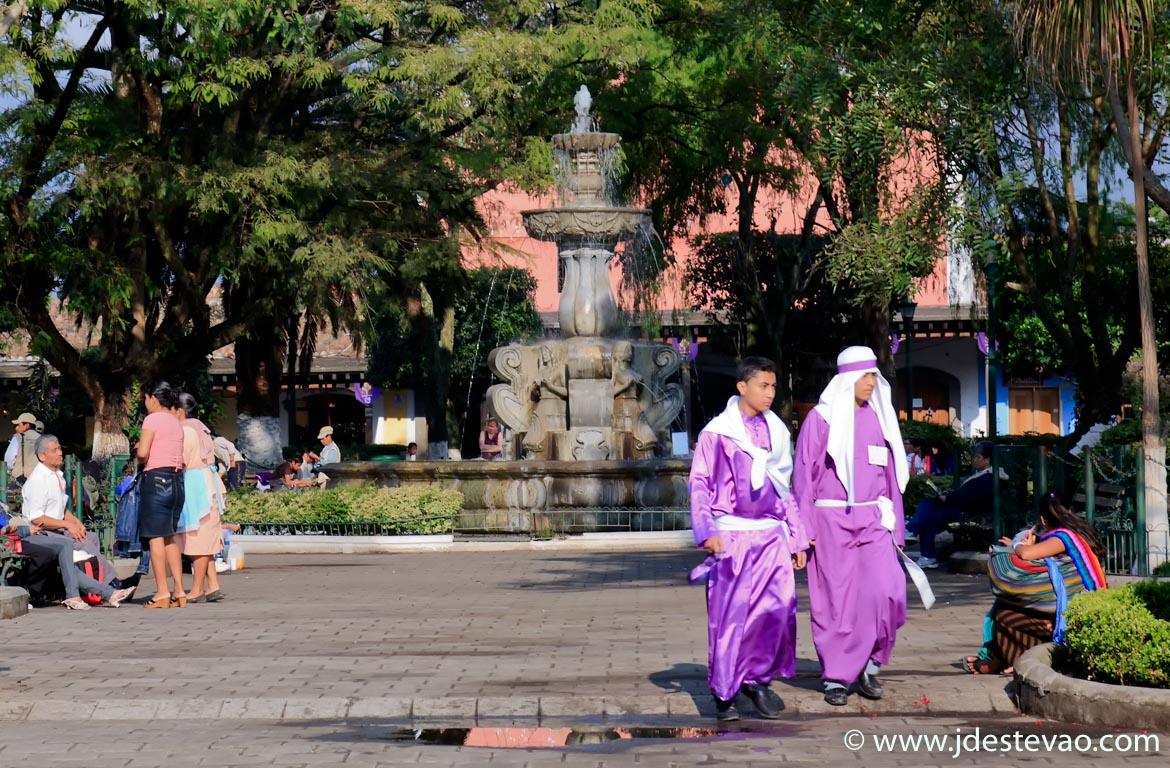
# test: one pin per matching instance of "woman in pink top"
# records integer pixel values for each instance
(160, 451)
(200, 534)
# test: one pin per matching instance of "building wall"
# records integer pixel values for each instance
(959, 359)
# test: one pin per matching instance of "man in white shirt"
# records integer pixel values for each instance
(54, 527)
(21, 455)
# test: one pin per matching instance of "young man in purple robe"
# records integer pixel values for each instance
(743, 514)
(849, 475)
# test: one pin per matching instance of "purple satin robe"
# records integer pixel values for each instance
(751, 591)
(856, 587)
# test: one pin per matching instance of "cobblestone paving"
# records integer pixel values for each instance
(318, 660)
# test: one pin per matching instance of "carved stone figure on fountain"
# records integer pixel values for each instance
(549, 394)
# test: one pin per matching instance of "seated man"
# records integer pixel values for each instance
(285, 475)
(53, 527)
(973, 497)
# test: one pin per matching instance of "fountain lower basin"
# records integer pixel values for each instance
(529, 497)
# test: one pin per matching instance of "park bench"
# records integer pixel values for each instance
(1109, 503)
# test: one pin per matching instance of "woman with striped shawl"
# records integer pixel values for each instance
(1030, 611)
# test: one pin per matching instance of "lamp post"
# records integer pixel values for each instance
(991, 269)
(908, 309)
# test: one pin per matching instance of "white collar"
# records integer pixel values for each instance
(776, 465)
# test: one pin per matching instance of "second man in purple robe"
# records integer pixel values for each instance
(850, 471)
(743, 514)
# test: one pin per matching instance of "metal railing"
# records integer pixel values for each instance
(1032, 470)
(547, 524)
(404, 527)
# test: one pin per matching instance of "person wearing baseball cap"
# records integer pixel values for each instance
(21, 456)
(330, 453)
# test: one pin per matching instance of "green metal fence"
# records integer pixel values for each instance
(545, 524)
(1024, 473)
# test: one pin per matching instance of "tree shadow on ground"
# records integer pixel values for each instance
(609, 570)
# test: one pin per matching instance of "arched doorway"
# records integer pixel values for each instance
(936, 394)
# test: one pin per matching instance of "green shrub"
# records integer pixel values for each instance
(1126, 433)
(1113, 637)
(417, 509)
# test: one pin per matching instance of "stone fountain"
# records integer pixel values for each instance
(589, 414)
(586, 396)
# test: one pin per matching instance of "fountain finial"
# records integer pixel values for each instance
(582, 101)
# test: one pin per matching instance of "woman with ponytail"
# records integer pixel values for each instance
(1032, 577)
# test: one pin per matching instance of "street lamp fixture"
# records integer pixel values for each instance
(990, 271)
(908, 308)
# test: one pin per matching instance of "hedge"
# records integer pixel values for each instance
(1121, 635)
(401, 510)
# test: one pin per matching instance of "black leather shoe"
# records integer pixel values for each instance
(869, 686)
(764, 699)
(725, 711)
(838, 697)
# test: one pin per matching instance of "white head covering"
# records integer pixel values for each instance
(837, 405)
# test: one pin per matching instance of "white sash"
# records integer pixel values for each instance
(734, 523)
(917, 575)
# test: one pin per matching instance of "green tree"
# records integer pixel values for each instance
(1081, 43)
(217, 169)
(821, 107)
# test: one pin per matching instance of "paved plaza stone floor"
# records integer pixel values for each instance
(346, 659)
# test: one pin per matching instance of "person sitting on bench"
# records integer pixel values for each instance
(973, 497)
(51, 525)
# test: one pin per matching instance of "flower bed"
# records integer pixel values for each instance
(1121, 635)
(346, 511)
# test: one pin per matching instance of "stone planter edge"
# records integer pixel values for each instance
(1045, 692)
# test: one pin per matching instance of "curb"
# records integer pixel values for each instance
(489, 709)
(334, 545)
(13, 602)
(1048, 693)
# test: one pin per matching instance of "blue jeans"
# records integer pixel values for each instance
(931, 518)
(74, 580)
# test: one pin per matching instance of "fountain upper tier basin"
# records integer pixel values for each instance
(585, 142)
(600, 223)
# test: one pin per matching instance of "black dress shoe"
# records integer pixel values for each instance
(764, 699)
(868, 686)
(725, 710)
(838, 697)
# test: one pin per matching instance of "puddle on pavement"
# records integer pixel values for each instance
(549, 738)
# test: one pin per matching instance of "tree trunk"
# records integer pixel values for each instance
(1153, 448)
(259, 360)
(437, 431)
(111, 412)
(875, 329)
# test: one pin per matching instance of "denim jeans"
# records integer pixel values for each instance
(74, 580)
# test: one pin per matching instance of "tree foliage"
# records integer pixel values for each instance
(185, 174)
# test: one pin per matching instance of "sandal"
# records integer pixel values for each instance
(179, 602)
(977, 666)
(75, 604)
(158, 602)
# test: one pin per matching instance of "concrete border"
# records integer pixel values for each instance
(335, 545)
(13, 602)
(1044, 691)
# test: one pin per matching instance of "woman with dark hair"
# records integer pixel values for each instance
(1033, 581)
(160, 452)
(200, 535)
